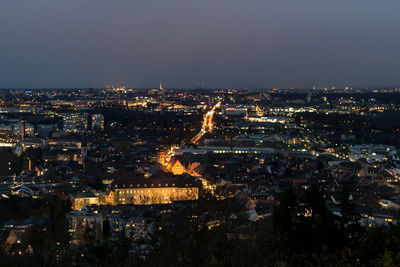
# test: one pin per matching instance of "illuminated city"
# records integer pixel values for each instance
(199, 134)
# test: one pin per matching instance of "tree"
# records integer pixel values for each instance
(106, 228)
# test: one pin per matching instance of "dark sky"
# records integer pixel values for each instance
(225, 43)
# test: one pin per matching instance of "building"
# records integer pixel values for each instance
(80, 200)
(135, 228)
(156, 191)
(372, 153)
(147, 191)
(23, 129)
(236, 111)
(85, 226)
(98, 122)
(243, 150)
(373, 217)
(181, 165)
(18, 235)
(75, 122)
(161, 157)
(271, 119)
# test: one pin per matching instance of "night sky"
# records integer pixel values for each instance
(225, 43)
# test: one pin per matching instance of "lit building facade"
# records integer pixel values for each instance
(159, 194)
(178, 168)
(75, 122)
(23, 129)
(98, 122)
(83, 199)
(142, 192)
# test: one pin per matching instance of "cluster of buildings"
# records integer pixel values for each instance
(53, 126)
(126, 159)
(78, 122)
(372, 153)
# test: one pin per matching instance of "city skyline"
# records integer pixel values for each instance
(199, 133)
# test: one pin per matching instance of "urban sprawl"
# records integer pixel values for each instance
(161, 176)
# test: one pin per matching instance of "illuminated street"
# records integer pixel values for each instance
(207, 125)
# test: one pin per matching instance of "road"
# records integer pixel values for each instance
(207, 125)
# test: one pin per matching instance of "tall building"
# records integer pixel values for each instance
(98, 122)
(23, 129)
(75, 122)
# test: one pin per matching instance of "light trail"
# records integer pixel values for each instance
(207, 125)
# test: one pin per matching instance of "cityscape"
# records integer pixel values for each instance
(90, 169)
(217, 133)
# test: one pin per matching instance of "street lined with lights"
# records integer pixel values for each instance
(207, 125)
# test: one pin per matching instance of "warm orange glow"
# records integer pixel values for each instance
(208, 124)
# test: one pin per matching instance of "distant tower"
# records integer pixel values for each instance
(161, 88)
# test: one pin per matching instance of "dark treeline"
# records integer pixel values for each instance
(301, 232)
